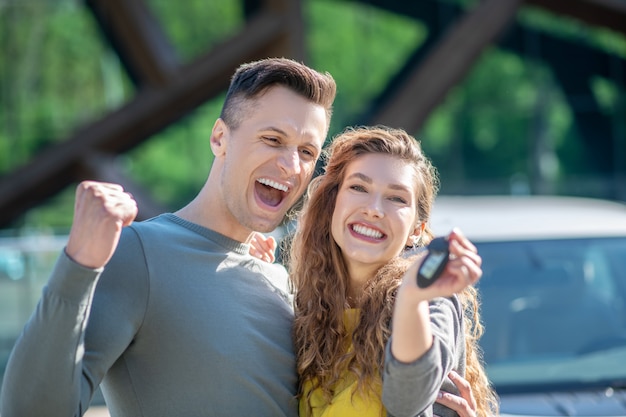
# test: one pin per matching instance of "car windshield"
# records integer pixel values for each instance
(554, 312)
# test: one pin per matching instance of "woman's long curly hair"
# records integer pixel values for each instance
(320, 278)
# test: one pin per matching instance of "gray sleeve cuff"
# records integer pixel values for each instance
(72, 281)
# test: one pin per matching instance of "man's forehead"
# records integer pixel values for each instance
(289, 111)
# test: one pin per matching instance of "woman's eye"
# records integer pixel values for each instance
(398, 200)
(357, 188)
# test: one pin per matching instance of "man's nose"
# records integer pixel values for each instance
(289, 161)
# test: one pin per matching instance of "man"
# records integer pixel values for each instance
(182, 321)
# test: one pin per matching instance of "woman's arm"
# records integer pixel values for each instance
(411, 331)
(423, 345)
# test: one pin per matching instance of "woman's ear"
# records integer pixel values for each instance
(414, 238)
(219, 137)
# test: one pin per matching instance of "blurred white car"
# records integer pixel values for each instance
(553, 297)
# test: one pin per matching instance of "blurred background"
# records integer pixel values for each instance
(506, 96)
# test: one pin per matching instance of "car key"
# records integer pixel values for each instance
(434, 263)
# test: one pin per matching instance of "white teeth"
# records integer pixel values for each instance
(274, 184)
(366, 231)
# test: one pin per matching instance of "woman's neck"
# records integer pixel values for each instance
(360, 275)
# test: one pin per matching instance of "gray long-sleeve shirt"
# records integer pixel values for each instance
(181, 322)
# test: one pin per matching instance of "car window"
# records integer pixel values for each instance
(554, 310)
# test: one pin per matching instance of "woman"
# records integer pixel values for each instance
(368, 340)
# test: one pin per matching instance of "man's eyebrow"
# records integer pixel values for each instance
(274, 129)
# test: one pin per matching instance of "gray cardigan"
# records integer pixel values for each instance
(410, 389)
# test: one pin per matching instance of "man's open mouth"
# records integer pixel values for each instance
(271, 192)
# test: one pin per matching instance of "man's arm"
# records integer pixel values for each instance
(42, 368)
(45, 373)
(101, 210)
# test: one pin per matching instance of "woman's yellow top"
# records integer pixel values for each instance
(345, 402)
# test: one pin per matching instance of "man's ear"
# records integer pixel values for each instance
(219, 137)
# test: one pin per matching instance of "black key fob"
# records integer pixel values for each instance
(434, 263)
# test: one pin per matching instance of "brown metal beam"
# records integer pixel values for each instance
(105, 167)
(138, 39)
(150, 111)
(452, 57)
(610, 14)
(293, 39)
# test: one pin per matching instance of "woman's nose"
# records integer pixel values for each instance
(374, 207)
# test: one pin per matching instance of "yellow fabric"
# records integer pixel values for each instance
(344, 403)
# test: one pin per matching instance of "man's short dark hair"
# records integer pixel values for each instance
(254, 78)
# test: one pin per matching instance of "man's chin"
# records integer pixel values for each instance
(266, 225)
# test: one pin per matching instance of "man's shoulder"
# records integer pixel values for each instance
(161, 220)
(277, 272)
(161, 224)
(134, 237)
(278, 276)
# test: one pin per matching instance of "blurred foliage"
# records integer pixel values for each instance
(182, 154)
(597, 37)
(495, 128)
(359, 57)
(51, 80)
(196, 26)
(506, 123)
